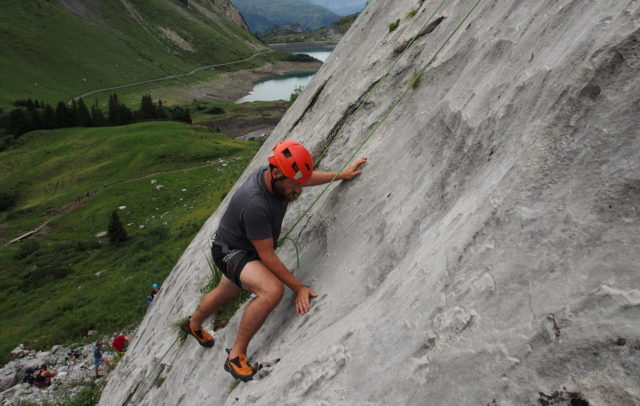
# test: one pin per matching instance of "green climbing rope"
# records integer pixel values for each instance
(384, 76)
(295, 244)
(384, 117)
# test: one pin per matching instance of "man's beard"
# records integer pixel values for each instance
(279, 192)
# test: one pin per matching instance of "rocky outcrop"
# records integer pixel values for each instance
(226, 8)
(75, 369)
(489, 252)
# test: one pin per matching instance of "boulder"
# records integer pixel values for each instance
(19, 352)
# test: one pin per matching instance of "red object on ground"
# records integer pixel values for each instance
(118, 343)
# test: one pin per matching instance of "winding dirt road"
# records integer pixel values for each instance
(106, 89)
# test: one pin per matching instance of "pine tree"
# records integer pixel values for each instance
(73, 114)
(180, 114)
(48, 117)
(18, 123)
(114, 109)
(116, 231)
(125, 115)
(160, 111)
(62, 115)
(187, 116)
(147, 108)
(84, 118)
(36, 120)
(97, 118)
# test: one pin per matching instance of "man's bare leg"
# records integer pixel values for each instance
(258, 279)
(225, 292)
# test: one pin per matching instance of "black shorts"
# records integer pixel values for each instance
(232, 263)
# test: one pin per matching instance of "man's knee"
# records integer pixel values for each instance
(272, 292)
(225, 292)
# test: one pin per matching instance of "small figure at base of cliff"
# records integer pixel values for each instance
(244, 248)
(99, 359)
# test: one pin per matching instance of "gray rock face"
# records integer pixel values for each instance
(489, 253)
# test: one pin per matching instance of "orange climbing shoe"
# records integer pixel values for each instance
(204, 338)
(239, 368)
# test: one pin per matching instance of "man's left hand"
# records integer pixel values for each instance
(302, 300)
(353, 169)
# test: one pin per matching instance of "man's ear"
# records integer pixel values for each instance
(277, 172)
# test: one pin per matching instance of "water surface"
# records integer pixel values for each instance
(281, 87)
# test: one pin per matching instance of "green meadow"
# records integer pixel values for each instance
(65, 281)
(49, 54)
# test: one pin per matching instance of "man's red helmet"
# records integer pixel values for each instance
(293, 160)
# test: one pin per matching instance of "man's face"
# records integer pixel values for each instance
(287, 189)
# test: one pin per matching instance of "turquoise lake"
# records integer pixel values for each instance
(281, 87)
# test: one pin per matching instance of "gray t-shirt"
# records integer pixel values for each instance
(253, 214)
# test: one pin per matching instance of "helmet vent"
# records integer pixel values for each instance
(295, 167)
(286, 153)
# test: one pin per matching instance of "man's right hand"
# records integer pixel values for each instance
(302, 299)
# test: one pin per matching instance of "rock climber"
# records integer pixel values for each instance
(155, 289)
(244, 248)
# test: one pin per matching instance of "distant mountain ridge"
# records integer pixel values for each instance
(261, 15)
(54, 50)
(297, 33)
(341, 7)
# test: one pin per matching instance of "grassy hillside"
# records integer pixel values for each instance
(55, 287)
(51, 55)
(260, 15)
(180, 90)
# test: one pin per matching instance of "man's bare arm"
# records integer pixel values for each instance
(271, 260)
(350, 172)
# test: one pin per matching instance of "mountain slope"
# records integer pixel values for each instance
(488, 254)
(55, 53)
(341, 7)
(71, 180)
(296, 33)
(263, 14)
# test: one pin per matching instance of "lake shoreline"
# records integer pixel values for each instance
(230, 87)
(296, 46)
